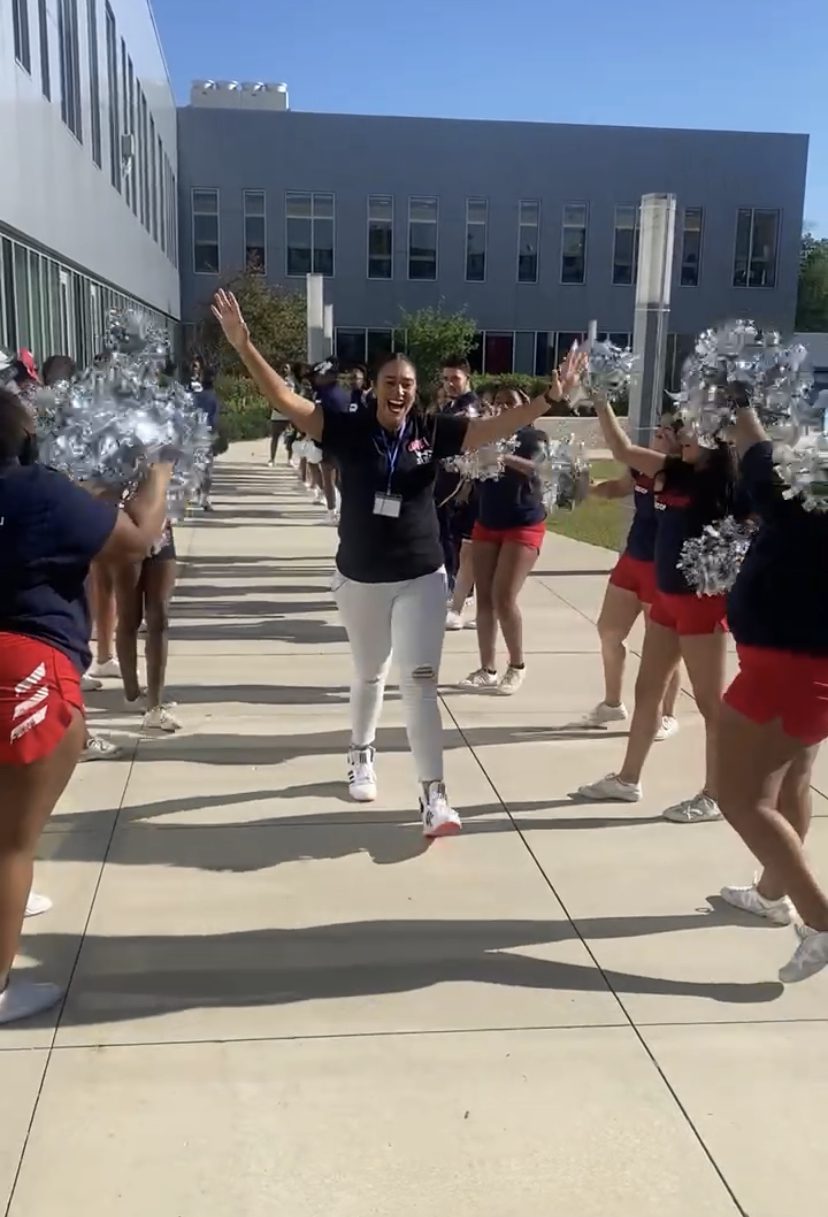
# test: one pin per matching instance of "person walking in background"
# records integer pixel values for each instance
(358, 387)
(279, 425)
(455, 507)
(330, 395)
(207, 400)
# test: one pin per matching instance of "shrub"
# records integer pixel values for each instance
(244, 412)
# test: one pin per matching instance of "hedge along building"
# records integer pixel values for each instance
(398, 213)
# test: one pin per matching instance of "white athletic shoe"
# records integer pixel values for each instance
(24, 999)
(480, 679)
(89, 684)
(698, 810)
(604, 714)
(611, 789)
(109, 667)
(810, 956)
(270, 464)
(439, 818)
(362, 777)
(36, 905)
(160, 719)
(510, 681)
(749, 900)
(454, 621)
(669, 726)
(97, 748)
(333, 517)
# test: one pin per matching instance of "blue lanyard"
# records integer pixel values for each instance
(392, 454)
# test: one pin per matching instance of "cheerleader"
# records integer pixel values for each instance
(692, 489)
(775, 713)
(390, 581)
(632, 584)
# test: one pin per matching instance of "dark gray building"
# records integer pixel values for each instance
(530, 227)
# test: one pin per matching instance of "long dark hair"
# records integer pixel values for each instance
(710, 483)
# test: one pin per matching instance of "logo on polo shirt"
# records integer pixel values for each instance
(420, 449)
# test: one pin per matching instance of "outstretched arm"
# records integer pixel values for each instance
(622, 448)
(306, 416)
(613, 488)
(483, 431)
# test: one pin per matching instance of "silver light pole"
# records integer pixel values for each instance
(317, 347)
(652, 312)
(328, 329)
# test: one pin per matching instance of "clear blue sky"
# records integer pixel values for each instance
(733, 64)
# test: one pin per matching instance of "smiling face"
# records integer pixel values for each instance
(396, 393)
(665, 438)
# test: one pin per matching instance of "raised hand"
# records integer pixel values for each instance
(229, 316)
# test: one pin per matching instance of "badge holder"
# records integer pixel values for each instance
(388, 505)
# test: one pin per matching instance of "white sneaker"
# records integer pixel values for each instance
(24, 998)
(89, 685)
(480, 679)
(697, 810)
(439, 818)
(604, 714)
(109, 667)
(160, 719)
(749, 900)
(454, 621)
(139, 705)
(333, 517)
(318, 496)
(270, 464)
(362, 777)
(669, 726)
(469, 623)
(810, 957)
(611, 789)
(510, 681)
(36, 905)
(97, 748)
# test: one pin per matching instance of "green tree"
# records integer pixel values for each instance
(433, 335)
(812, 299)
(277, 321)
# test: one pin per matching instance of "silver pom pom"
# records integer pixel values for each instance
(711, 562)
(483, 464)
(564, 474)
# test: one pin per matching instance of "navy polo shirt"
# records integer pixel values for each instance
(515, 499)
(50, 530)
(641, 539)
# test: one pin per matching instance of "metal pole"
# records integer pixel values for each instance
(317, 349)
(328, 328)
(592, 334)
(652, 312)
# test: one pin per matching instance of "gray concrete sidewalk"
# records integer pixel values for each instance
(283, 1003)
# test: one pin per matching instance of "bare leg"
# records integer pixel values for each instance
(159, 582)
(102, 580)
(754, 762)
(464, 580)
(704, 658)
(618, 615)
(327, 473)
(659, 657)
(28, 794)
(513, 567)
(484, 558)
(668, 708)
(795, 804)
(129, 590)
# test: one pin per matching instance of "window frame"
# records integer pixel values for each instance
(747, 285)
(423, 198)
(484, 224)
(45, 61)
(71, 98)
(636, 231)
(684, 231)
(112, 87)
(94, 58)
(521, 224)
(252, 190)
(21, 35)
(312, 195)
(564, 226)
(368, 222)
(194, 190)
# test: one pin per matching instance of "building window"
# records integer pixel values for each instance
(255, 243)
(310, 234)
(153, 180)
(350, 348)
(162, 197)
(145, 177)
(20, 23)
(499, 351)
(380, 236)
(174, 210)
(70, 100)
(573, 243)
(43, 30)
(566, 341)
(130, 120)
(378, 344)
(544, 352)
(94, 80)
(691, 247)
(625, 248)
(205, 232)
(528, 235)
(525, 352)
(757, 235)
(477, 219)
(114, 103)
(422, 238)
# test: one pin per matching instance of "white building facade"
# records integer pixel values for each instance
(88, 172)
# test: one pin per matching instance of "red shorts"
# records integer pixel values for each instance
(783, 685)
(530, 535)
(636, 576)
(39, 687)
(690, 614)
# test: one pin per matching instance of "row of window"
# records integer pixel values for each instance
(309, 239)
(50, 309)
(139, 166)
(501, 352)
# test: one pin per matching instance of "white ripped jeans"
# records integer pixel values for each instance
(406, 620)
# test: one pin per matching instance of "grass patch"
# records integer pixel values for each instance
(602, 522)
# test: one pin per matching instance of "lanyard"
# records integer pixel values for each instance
(392, 453)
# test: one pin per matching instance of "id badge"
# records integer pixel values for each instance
(388, 505)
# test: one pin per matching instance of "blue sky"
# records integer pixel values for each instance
(706, 63)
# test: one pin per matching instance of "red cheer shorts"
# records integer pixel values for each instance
(787, 686)
(690, 614)
(39, 688)
(530, 535)
(636, 576)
